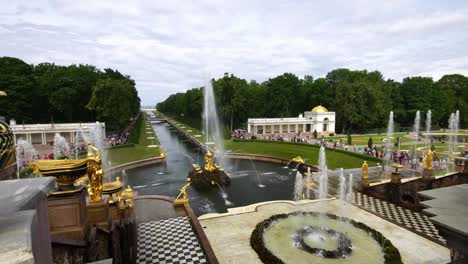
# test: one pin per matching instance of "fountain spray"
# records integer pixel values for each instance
(417, 122)
(388, 143)
(428, 126)
(211, 125)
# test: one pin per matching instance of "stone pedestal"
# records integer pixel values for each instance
(428, 174)
(68, 216)
(396, 177)
(98, 213)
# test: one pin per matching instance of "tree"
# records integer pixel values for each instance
(315, 134)
(113, 101)
(350, 140)
(370, 143)
(16, 81)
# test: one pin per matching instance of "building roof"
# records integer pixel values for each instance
(319, 109)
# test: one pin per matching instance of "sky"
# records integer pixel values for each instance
(171, 46)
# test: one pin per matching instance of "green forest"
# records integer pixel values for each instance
(361, 99)
(47, 92)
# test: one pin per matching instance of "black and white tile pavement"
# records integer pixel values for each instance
(413, 221)
(168, 241)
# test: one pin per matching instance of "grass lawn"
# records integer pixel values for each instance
(287, 151)
(363, 139)
(139, 151)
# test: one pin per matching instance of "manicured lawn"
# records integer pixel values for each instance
(308, 153)
(134, 152)
(377, 139)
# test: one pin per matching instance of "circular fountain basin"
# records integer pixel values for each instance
(307, 237)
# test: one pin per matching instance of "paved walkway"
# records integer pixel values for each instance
(415, 222)
(164, 236)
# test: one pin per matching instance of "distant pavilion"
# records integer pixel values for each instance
(319, 119)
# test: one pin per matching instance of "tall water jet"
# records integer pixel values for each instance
(211, 125)
(451, 140)
(341, 192)
(25, 153)
(298, 187)
(349, 195)
(308, 183)
(417, 122)
(428, 126)
(322, 185)
(389, 142)
(61, 147)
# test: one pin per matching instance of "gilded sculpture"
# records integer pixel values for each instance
(209, 162)
(428, 160)
(365, 170)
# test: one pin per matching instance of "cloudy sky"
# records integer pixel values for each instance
(171, 46)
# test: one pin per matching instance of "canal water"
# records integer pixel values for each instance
(251, 181)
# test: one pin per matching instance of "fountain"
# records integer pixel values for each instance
(211, 125)
(202, 178)
(25, 153)
(417, 121)
(61, 147)
(298, 187)
(259, 181)
(342, 195)
(320, 237)
(388, 144)
(428, 126)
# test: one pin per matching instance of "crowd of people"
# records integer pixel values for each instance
(118, 138)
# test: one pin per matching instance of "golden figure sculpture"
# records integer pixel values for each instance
(183, 194)
(298, 159)
(127, 198)
(95, 175)
(209, 162)
(365, 170)
(428, 159)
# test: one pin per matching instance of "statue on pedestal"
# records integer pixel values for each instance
(428, 160)
(365, 171)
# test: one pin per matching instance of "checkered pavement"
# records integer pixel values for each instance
(168, 241)
(413, 221)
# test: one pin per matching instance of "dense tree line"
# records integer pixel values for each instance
(361, 99)
(47, 93)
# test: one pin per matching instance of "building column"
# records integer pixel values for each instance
(289, 131)
(14, 138)
(264, 129)
(281, 128)
(43, 139)
(272, 131)
(72, 137)
(297, 129)
(28, 138)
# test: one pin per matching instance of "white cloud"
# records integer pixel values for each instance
(171, 46)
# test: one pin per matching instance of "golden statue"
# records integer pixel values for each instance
(126, 198)
(183, 193)
(428, 159)
(298, 159)
(95, 175)
(365, 170)
(209, 162)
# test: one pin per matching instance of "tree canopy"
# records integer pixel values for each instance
(47, 92)
(361, 99)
